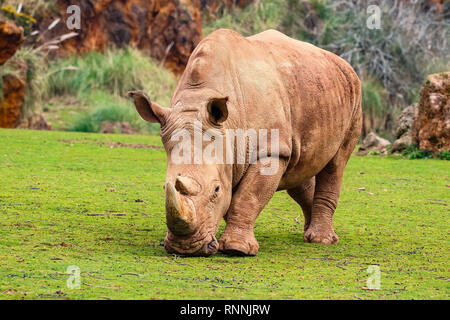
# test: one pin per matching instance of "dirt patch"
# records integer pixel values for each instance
(110, 144)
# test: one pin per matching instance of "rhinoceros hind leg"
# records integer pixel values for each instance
(304, 196)
(327, 190)
(326, 194)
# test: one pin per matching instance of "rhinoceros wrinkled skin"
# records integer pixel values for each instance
(265, 81)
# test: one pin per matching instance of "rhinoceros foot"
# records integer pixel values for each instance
(320, 234)
(240, 244)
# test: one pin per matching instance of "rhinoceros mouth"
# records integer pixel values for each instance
(204, 246)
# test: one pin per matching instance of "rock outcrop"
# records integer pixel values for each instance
(36, 121)
(167, 30)
(405, 130)
(432, 125)
(10, 105)
(12, 89)
(11, 37)
(427, 123)
(373, 142)
(116, 127)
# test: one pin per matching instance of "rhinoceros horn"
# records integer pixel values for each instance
(180, 213)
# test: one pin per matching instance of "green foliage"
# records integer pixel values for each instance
(256, 17)
(36, 79)
(69, 199)
(6, 69)
(413, 152)
(445, 155)
(22, 19)
(84, 123)
(106, 107)
(32, 8)
(29, 65)
(373, 97)
(97, 80)
(297, 12)
(116, 71)
(101, 82)
(374, 104)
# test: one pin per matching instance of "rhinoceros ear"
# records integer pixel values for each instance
(218, 110)
(149, 111)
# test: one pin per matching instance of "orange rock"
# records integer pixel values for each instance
(11, 37)
(433, 120)
(167, 30)
(10, 105)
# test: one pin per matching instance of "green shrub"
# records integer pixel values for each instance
(445, 155)
(31, 66)
(374, 104)
(107, 107)
(395, 59)
(23, 19)
(33, 8)
(413, 152)
(84, 123)
(101, 81)
(296, 12)
(256, 17)
(116, 71)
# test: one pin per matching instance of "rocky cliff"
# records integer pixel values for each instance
(167, 30)
(11, 37)
(427, 123)
(12, 86)
(432, 126)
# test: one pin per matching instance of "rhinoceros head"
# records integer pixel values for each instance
(197, 194)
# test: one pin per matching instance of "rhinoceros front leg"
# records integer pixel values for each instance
(253, 193)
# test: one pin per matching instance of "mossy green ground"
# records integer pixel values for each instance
(73, 202)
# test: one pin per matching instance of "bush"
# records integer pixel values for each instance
(392, 61)
(32, 8)
(256, 17)
(101, 82)
(374, 104)
(107, 107)
(31, 66)
(296, 17)
(413, 152)
(116, 72)
(22, 19)
(445, 155)
(400, 53)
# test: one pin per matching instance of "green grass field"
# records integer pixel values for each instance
(73, 199)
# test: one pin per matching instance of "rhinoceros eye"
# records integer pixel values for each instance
(217, 189)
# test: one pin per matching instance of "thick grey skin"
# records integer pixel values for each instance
(272, 81)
